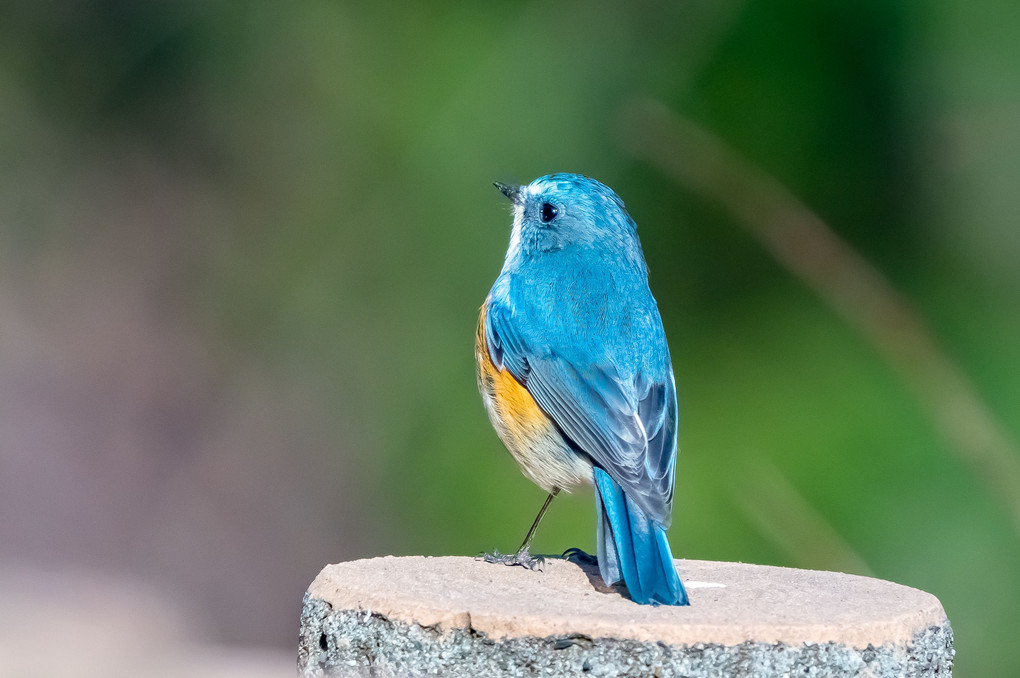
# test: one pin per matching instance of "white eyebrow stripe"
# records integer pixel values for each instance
(514, 250)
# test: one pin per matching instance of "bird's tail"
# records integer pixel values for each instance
(633, 547)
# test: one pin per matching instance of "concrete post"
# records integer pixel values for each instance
(456, 616)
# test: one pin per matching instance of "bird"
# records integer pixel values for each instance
(575, 374)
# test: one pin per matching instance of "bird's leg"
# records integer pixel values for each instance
(534, 526)
(523, 557)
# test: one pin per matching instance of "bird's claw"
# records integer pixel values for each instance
(522, 558)
(576, 555)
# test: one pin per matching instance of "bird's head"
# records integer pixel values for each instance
(568, 212)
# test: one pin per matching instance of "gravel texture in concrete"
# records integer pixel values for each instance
(459, 616)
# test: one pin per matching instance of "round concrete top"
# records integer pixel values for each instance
(730, 602)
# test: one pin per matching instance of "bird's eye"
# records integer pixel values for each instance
(549, 212)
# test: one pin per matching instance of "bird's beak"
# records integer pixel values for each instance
(511, 191)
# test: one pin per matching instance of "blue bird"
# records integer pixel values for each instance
(575, 374)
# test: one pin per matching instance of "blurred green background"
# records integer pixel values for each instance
(243, 247)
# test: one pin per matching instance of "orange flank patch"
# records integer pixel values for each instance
(528, 432)
(516, 412)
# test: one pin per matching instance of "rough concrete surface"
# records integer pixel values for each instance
(460, 616)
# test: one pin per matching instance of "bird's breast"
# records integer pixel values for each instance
(527, 431)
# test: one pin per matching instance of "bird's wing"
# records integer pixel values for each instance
(627, 426)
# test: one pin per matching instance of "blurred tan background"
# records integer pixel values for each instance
(243, 246)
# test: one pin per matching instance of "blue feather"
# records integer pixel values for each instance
(633, 548)
(572, 319)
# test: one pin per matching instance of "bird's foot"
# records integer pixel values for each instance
(522, 558)
(576, 555)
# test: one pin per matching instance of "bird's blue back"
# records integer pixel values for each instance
(574, 370)
(571, 316)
